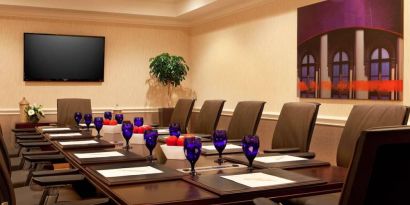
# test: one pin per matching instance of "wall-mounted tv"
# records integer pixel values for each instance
(49, 57)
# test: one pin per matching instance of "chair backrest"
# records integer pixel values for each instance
(363, 117)
(208, 117)
(380, 169)
(295, 125)
(4, 152)
(182, 112)
(6, 187)
(245, 119)
(68, 106)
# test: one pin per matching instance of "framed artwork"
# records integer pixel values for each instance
(351, 49)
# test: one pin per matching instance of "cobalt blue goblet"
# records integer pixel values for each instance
(192, 151)
(250, 146)
(150, 137)
(108, 115)
(127, 132)
(77, 117)
(98, 123)
(220, 139)
(138, 121)
(174, 129)
(87, 119)
(119, 118)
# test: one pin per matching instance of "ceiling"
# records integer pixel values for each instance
(181, 13)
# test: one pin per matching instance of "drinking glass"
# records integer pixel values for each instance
(108, 115)
(250, 146)
(219, 138)
(192, 151)
(138, 121)
(87, 119)
(98, 123)
(127, 132)
(174, 129)
(77, 117)
(119, 118)
(150, 137)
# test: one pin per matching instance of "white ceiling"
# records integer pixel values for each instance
(183, 13)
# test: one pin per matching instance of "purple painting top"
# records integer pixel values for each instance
(330, 15)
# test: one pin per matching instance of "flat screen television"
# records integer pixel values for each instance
(49, 57)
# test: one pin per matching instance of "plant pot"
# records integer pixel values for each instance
(164, 116)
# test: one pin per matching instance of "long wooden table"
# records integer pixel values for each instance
(182, 192)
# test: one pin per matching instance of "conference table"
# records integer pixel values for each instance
(186, 189)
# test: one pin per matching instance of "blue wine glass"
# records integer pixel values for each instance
(98, 123)
(119, 118)
(220, 139)
(127, 132)
(174, 129)
(150, 137)
(108, 115)
(192, 151)
(138, 121)
(87, 119)
(77, 117)
(250, 146)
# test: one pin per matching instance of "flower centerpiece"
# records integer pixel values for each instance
(34, 113)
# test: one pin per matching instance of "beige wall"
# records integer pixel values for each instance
(127, 50)
(252, 56)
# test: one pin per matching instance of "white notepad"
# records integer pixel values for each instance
(228, 146)
(98, 155)
(82, 142)
(85, 125)
(66, 134)
(279, 158)
(131, 171)
(163, 131)
(56, 129)
(258, 179)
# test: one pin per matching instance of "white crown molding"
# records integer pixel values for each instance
(321, 119)
(99, 110)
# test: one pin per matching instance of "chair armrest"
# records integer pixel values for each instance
(34, 144)
(45, 158)
(19, 130)
(58, 180)
(99, 201)
(29, 137)
(40, 153)
(54, 172)
(307, 155)
(30, 140)
(263, 201)
(282, 150)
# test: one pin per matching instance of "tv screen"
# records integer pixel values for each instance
(49, 57)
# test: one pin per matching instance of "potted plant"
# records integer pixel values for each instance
(34, 113)
(170, 71)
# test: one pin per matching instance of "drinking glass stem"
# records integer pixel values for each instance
(127, 146)
(193, 172)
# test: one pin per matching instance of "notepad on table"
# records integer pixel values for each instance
(130, 171)
(98, 155)
(228, 146)
(56, 129)
(258, 179)
(278, 158)
(85, 125)
(82, 142)
(163, 131)
(66, 134)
